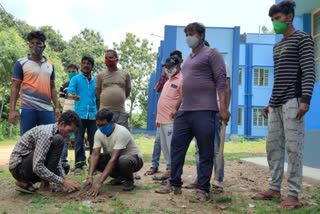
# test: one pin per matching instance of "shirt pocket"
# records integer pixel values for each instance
(173, 91)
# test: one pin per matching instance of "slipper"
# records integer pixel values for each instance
(191, 186)
(263, 196)
(27, 191)
(291, 206)
(160, 178)
(152, 170)
(165, 189)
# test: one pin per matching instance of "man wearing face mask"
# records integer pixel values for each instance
(34, 77)
(82, 89)
(168, 105)
(204, 75)
(113, 88)
(294, 77)
(121, 156)
(67, 104)
(36, 156)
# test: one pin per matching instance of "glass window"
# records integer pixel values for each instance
(261, 76)
(240, 76)
(240, 113)
(258, 119)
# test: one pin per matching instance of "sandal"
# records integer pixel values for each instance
(166, 189)
(25, 188)
(291, 206)
(265, 196)
(193, 185)
(200, 196)
(152, 170)
(162, 177)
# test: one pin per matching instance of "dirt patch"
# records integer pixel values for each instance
(241, 181)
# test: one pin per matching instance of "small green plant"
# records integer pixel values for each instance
(223, 199)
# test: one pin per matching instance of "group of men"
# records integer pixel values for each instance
(188, 108)
(41, 153)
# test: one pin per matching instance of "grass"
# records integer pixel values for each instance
(120, 204)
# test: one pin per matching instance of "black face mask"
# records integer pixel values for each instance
(37, 50)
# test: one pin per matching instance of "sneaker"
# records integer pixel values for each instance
(128, 185)
(78, 171)
(200, 196)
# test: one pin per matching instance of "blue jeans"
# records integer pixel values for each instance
(187, 125)
(80, 147)
(64, 154)
(156, 150)
(216, 149)
(30, 118)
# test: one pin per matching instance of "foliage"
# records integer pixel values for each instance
(139, 121)
(88, 42)
(137, 58)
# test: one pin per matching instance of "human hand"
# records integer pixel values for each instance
(157, 124)
(71, 185)
(303, 108)
(94, 190)
(14, 117)
(173, 114)
(88, 183)
(224, 115)
(265, 111)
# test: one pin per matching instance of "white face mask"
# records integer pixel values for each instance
(192, 41)
(171, 71)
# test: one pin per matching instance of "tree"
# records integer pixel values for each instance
(266, 30)
(54, 38)
(88, 42)
(137, 57)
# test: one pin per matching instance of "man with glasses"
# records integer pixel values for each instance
(34, 76)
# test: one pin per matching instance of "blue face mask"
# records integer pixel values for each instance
(107, 129)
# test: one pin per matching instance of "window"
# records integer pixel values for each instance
(240, 76)
(261, 77)
(240, 113)
(315, 23)
(258, 119)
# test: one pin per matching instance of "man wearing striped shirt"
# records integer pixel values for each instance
(294, 76)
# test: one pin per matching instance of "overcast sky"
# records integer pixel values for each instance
(141, 17)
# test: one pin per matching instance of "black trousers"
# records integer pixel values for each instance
(24, 172)
(125, 167)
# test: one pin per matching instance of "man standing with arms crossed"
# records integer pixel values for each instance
(294, 76)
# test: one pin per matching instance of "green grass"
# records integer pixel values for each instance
(9, 142)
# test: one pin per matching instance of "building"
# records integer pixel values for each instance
(252, 75)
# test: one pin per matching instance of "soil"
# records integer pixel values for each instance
(242, 180)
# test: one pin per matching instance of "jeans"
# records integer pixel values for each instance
(156, 150)
(80, 147)
(30, 118)
(189, 124)
(216, 150)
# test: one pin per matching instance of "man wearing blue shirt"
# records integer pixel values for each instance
(82, 89)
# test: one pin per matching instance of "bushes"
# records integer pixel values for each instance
(5, 130)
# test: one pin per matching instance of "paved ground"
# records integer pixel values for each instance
(313, 173)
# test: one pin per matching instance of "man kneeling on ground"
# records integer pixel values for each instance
(36, 156)
(121, 156)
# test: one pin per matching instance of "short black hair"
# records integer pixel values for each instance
(104, 114)
(286, 7)
(37, 35)
(73, 66)
(206, 43)
(113, 51)
(89, 58)
(70, 117)
(196, 27)
(177, 53)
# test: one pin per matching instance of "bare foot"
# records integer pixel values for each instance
(267, 195)
(45, 186)
(291, 202)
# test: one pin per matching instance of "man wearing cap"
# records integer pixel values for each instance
(34, 77)
(168, 105)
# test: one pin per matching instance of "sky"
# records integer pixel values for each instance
(145, 18)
